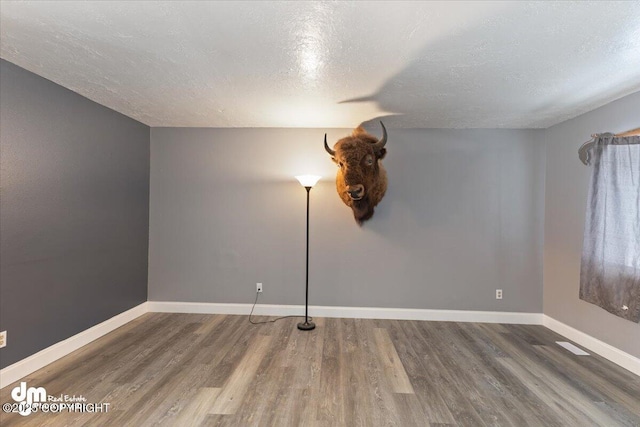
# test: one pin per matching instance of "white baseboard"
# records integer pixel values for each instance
(349, 312)
(617, 356)
(50, 354)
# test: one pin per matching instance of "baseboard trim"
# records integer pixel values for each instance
(39, 360)
(609, 352)
(349, 312)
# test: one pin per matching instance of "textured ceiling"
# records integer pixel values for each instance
(332, 64)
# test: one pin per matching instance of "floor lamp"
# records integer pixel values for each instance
(307, 181)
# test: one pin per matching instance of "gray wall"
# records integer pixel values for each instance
(463, 216)
(74, 212)
(567, 181)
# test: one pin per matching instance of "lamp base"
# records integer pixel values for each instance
(306, 326)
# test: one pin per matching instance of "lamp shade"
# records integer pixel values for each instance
(308, 180)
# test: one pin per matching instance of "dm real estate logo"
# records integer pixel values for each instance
(35, 399)
(28, 398)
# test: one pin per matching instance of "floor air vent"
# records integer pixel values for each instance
(572, 348)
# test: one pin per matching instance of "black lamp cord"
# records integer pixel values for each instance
(267, 321)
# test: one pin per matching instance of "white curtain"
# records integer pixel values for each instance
(610, 269)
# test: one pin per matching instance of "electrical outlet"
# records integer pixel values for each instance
(3, 339)
(498, 293)
(258, 287)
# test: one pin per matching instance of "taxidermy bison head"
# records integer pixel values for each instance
(361, 180)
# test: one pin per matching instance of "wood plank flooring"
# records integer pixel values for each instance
(219, 370)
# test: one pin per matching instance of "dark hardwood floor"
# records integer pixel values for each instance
(190, 370)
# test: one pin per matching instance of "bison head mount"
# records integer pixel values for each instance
(361, 180)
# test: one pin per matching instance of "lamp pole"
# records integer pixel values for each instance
(307, 182)
(306, 325)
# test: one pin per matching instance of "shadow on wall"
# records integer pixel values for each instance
(460, 217)
(439, 181)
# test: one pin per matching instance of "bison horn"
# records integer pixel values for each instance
(326, 147)
(378, 145)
